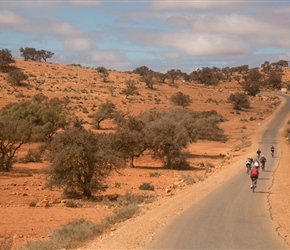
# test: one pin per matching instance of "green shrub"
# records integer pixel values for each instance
(146, 186)
(32, 204)
(210, 165)
(188, 179)
(154, 174)
(72, 203)
(130, 198)
(70, 194)
(117, 184)
(33, 155)
(200, 178)
(71, 235)
(6, 244)
(126, 212)
(180, 164)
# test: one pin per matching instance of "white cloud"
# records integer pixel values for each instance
(77, 43)
(10, 19)
(64, 29)
(201, 4)
(237, 24)
(39, 4)
(85, 3)
(204, 44)
(109, 59)
(171, 55)
(195, 43)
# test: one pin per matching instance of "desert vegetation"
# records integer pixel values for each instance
(83, 126)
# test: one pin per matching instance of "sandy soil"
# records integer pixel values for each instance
(84, 86)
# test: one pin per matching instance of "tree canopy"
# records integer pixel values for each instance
(35, 55)
(45, 117)
(105, 111)
(14, 132)
(80, 161)
(5, 59)
(180, 99)
(239, 100)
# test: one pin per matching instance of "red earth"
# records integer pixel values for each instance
(85, 88)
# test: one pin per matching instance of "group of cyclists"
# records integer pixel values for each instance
(253, 165)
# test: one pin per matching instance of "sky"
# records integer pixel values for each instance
(161, 35)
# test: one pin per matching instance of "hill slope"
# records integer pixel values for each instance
(85, 89)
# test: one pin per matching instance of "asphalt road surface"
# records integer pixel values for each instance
(231, 216)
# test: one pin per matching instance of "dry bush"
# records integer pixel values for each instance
(79, 231)
(6, 244)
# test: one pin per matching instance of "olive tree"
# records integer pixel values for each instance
(169, 132)
(160, 76)
(173, 75)
(45, 117)
(5, 59)
(207, 76)
(239, 100)
(80, 161)
(105, 111)
(16, 77)
(104, 72)
(275, 79)
(167, 140)
(130, 138)
(35, 55)
(131, 88)
(180, 99)
(166, 133)
(148, 78)
(14, 132)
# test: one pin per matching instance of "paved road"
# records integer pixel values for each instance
(231, 217)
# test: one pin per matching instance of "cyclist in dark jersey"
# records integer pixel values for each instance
(272, 151)
(263, 161)
(258, 153)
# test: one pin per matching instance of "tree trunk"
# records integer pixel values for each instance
(131, 161)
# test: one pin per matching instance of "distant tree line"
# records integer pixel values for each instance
(268, 76)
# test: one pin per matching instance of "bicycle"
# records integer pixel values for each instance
(254, 184)
(263, 165)
(248, 168)
(272, 151)
(263, 162)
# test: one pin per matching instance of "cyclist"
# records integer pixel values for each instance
(254, 175)
(252, 160)
(258, 153)
(272, 150)
(263, 161)
(256, 163)
(248, 165)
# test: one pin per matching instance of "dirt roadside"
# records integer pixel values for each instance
(137, 232)
(279, 198)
